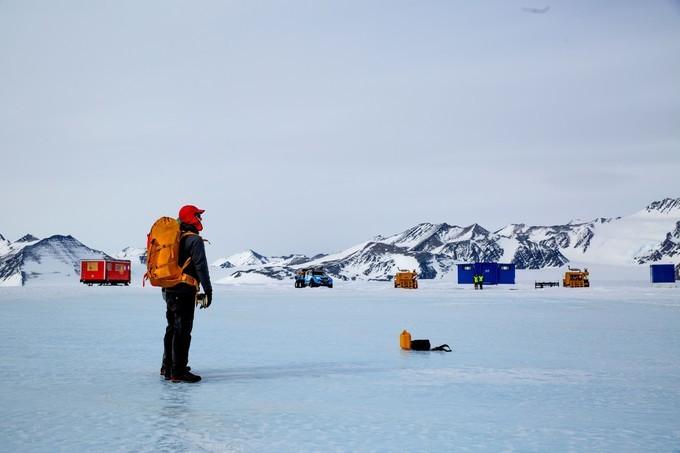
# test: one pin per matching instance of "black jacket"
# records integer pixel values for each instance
(192, 246)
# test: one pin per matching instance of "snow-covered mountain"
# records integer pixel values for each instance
(53, 260)
(650, 235)
(7, 247)
(248, 258)
(646, 236)
(432, 249)
(289, 260)
(669, 248)
(135, 255)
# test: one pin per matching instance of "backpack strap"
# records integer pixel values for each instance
(188, 279)
(444, 348)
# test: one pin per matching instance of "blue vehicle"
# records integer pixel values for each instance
(312, 277)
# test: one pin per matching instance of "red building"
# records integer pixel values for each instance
(105, 272)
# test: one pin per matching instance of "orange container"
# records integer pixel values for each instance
(405, 340)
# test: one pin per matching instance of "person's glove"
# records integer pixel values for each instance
(208, 300)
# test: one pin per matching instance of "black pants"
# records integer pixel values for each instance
(180, 317)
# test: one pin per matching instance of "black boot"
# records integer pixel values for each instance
(187, 376)
(163, 370)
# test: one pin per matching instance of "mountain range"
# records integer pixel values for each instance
(649, 235)
(433, 249)
(53, 260)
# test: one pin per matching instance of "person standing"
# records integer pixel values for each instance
(481, 281)
(181, 299)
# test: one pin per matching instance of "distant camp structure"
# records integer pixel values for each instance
(494, 273)
(662, 273)
(105, 272)
(406, 279)
(576, 278)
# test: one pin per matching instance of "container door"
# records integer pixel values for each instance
(490, 273)
(506, 274)
(465, 273)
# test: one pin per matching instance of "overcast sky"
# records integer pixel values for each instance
(311, 126)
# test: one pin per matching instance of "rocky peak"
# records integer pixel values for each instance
(665, 206)
(28, 238)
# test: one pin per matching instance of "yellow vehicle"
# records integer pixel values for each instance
(576, 278)
(406, 279)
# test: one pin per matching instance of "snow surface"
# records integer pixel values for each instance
(285, 369)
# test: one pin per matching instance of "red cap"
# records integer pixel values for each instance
(191, 215)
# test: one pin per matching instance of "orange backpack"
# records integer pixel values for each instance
(162, 255)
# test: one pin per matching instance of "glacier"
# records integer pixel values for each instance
(593, 369)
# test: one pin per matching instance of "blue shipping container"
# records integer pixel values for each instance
(494, 273)
(489, 271)
(465, 274)
(662, 273)
(506, 274)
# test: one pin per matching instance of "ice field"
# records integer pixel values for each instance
(287, 369)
